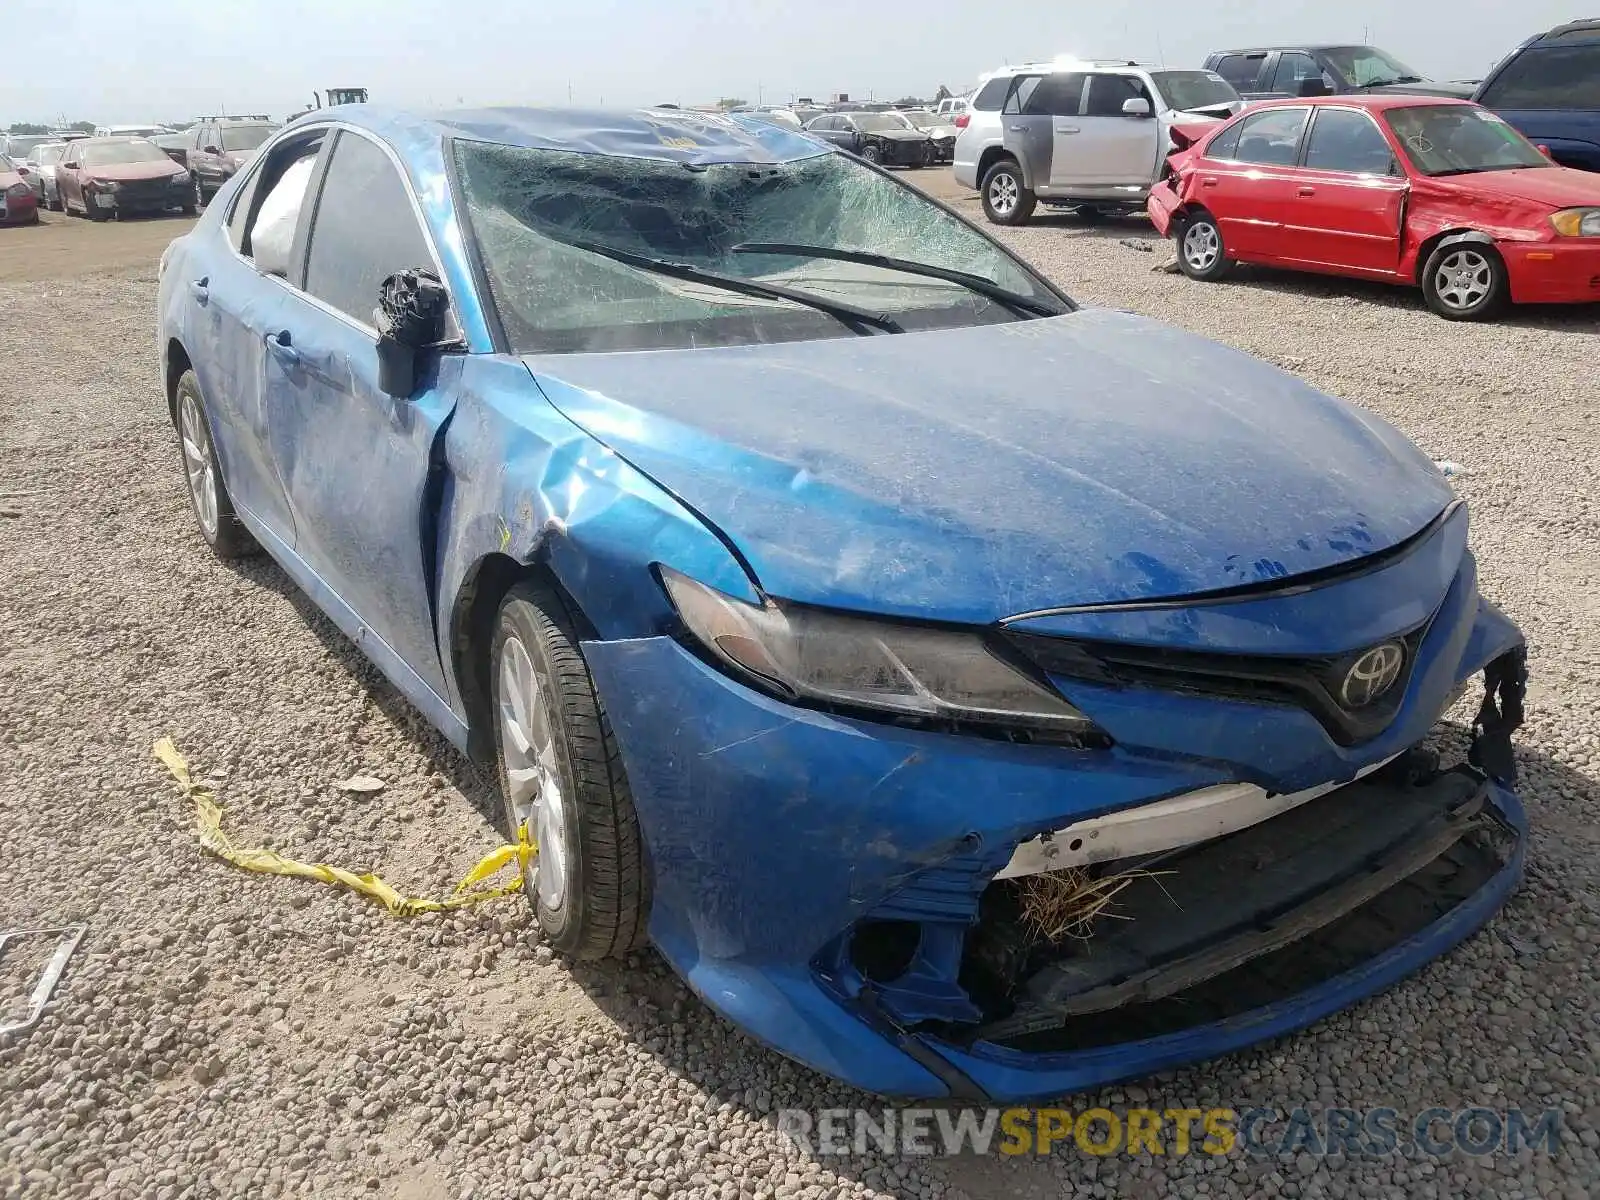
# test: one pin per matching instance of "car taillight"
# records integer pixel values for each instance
(962, 120)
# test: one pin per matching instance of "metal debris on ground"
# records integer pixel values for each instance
(68, 938)
(1143, 247)
(208, 825)
(1448, 468)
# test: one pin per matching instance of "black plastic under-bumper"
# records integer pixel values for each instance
(1244, 920)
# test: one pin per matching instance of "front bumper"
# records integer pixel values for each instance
(774, 831)
(1565, 271)
(18, 210)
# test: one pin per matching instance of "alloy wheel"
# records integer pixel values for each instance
(532, 774)
(197, 464)
(1201, 246)
(1003, 191)
(1463, 278)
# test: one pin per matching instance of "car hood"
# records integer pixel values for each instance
(1558, 187)
(978, 473)
(898, 135)
(10, 179)
(132, 172)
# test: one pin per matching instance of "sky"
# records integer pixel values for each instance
(112, 62)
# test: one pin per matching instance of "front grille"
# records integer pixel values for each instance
(1310, 683)
(145, 191)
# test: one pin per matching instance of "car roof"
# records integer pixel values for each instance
(1306, 47)
(1576, 30)
(1370, 102)
(673, 135)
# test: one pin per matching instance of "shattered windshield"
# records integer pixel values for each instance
(527, 208)
(1460, 139)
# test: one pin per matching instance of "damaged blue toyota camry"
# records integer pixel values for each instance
(969, 693)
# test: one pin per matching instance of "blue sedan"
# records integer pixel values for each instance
(969, 693)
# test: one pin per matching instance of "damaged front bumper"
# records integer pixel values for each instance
(837, 887)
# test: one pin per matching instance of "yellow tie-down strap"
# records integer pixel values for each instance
(208, 825)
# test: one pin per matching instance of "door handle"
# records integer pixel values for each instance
(282, 348)
(1209, 181)
(1067, 129)
(1019, 129)
(200, 289)
(1308, 191)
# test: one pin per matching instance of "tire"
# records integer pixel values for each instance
(208, 496)
(188, 208)
(871, 153)
(588, 885)
(94, 212)
(1006, 200)
(199, 198)
(1201, 253)
(1465, 281)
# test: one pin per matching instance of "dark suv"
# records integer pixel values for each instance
(1270, 72)
(219, 146)
(1548, 88)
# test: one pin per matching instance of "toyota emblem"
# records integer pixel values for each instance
(1371, 675)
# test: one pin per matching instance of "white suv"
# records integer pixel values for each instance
(1084, 135)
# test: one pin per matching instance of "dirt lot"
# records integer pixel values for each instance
(225, 1035)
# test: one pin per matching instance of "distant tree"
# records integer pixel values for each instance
(82, 126)
(22, 127)
(730, 102)
(908, 102)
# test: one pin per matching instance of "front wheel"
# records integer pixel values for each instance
(199, 196)
(1006, 199)
(1465, 281)
(871, 153)
(561, 778)
(1201, 253)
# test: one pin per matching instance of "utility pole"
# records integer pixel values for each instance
(569, 93)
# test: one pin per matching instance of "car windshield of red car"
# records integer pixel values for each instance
(1458, 139)
(110, 154)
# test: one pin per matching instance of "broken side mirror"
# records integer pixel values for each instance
(1136, 106)
(410, 318)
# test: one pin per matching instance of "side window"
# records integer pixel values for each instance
(1294, 71)
(1241, 70)
(1107, 93)
(1021, 91)
(364, 229)
(992, 94)
(1057, 95)
(269, 203)
(1271, 138)
(1225, 144)
(1548, 77)
(1342, 140)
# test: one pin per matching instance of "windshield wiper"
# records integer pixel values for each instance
(846, 314)
(975, 283)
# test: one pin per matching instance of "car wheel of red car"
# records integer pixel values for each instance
(1006, 199)
(1464, 281)
(561, 777)
(1201, 253)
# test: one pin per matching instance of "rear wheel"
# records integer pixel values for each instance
(213, 509)
(1465, 281)
(561, 776)
(1201, 254)
(1006, 199)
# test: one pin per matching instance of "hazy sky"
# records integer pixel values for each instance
(112, 61)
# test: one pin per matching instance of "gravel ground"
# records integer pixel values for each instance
(220, 1034)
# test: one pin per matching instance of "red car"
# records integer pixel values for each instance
(18, 205)
(107, 177)
(1417, 190)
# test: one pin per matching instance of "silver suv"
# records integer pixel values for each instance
(1085, 135)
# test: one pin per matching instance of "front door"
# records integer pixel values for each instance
(1115, 150)
(1026, 132)
(1349, 196)
(355, 461)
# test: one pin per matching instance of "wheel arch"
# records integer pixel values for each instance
(1445, 237)
(998, 153)
(175, 361)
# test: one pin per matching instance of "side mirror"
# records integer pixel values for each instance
(1315, 86)
(1136, 106)
(410, 319)
(1545, 150)
(211, 150)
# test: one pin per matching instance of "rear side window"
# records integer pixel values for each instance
(1107, 93)
(1057, 95)
(1548, 77)
(1271, 138)
(1021, 92)
(364, 230)
(1226, 143)
(1241, 70)
(992, 95)
(1342, 140)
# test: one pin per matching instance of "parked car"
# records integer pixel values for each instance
(110, 177)
(776, 116)
(176, 146)
(1549, 89)
(952, 106)
(131, 131)
(800, 646)
(17, 203)
(17, 146)
(41, 162)
(67, 135)
(1088, 136)
(1421, 191)
(885, 138)
(218, 147)
(941, 130)
(1271, 72)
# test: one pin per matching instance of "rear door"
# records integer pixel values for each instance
(1028, 135)
(1349, 196)
(1115, 149)
(1550, 93)
(356, 463)
(1056, 104)
(1249, 184)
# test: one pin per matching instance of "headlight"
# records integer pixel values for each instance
(19, 189)
(104, 185)
(180, 177)
(811, 654)
(1577, 222)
